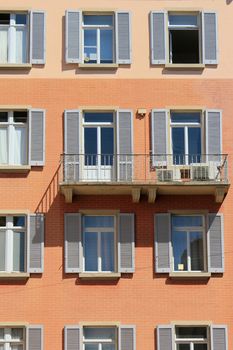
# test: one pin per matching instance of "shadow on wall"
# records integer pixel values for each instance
(228, 2)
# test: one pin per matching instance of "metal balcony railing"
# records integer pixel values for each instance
(144, 168)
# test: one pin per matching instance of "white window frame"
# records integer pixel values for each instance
(11, 40)
(8, 338)
(98, 28)
(97, 340)
(99, 230)
(188, 230)
(9, 230)
(193, 341)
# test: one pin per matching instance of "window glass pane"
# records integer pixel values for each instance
(4, 18)
(178, 145)
(107, 333)
(1, 347)
(18, 251)
(21, 45)
(191, 332)
(16, 347)
(3, 146)
(91, 346)
(187, 220)
(90, 46)
(98, 20)
(90, 37)
(3, 116)
(183, 347)
(200, 347)
(21, 18)
(17, 333)
(196, 251)
(184, 117)
(91, 251)
(90, 146)
(99, 221)
(107, 251)
(3, 45)
(106, 46)
(108, 347)
(1, 333)
(90, 55)
(2, 250)
(183, 20)
(103, 117)
(179, 245)
(20, 146)
(19, 221)
(20, 117)
(194, 145)
(2, 221)
(107, 146)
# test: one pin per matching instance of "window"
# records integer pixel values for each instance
(191, 338)
(188, 243)
(99, 338)
(12, 338)
(12, 243)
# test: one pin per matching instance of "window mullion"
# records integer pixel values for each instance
(12, 40)
(186, 145)
(98, 45)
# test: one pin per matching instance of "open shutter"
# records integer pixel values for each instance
(158, 25)
(209, 37)
(126, 243)
(34, 339)
(123, 37)
(162, 232)
(72, 338)
(37, 37)
(215, 242)
(124, 145)
(73, 243)
(73, 36)
(159, 137)
(213, 135)
(36, 243)
(72, 145)
(164, 337)
(127, 338)
(219, 339)
(37, 137)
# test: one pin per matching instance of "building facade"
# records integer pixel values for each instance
(115, 167)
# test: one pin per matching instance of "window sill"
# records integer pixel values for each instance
(14, 275)
(101, 276)
(189, 274)
(98, 66)
(184, 66)
(14, 168)
(15, 66)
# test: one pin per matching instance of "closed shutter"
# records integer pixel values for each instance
(127, 338)
(35, 243)
(162, 227)
(213, 135)
(125, 145)
(73, 36)
(72, 146)
(72, 338)
(37, 37)
(123, 37)
(219, 339)
(215, 242)
(34, 339)
(164, 337)
(126, 243)
(36, 137)
(159, 137)
(209, 37)
(158, 25)
(73, 243)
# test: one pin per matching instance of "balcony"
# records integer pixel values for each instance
(144, 174)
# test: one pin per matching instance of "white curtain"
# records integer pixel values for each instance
(21, 45)
(3, 44)
(3, 146)
(20, 146)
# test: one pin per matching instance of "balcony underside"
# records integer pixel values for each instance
(151, 190)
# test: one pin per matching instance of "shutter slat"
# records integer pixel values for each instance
(73, 236)
(36, 243)
(214, 135)
(215, 243)
(164, 337)
(34, 337)
(126, 243)
(72, 338)
(162, 233)
(159, 137)
(127, 337)
(73, 36)
(210, 37)
(37, 37)
(219, 339)
(37, 137)
(123, 30)
(158, 37)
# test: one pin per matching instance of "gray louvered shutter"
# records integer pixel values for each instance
(162, 232)
(73, 243)
(219, 339)
(159, 137)
(124, 145)
(164, 337)
(158, 24)
(72, 338)
(72, 146)
(73, 36)
(36, 243)
(123, 37)
(209, 37)
(127, 338)
(34, 339)
(37, 137)
(213, 135)
(215, 242)
(126, 243)
(37, 37)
